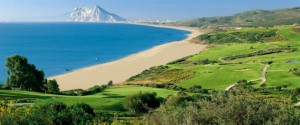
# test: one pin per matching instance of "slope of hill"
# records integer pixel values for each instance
(229, 61)
(249, 19)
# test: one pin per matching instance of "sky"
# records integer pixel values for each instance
(31, 10)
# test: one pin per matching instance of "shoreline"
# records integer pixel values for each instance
(122, 69)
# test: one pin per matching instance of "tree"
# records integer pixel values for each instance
(23, 75)
(141, 102)
(110, 83)
(52, 86)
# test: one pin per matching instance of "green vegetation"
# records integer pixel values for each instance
(109, 100)
(262, 52)
(179, 99)
(160, 75)
(241, 36)
(255, 18)
(52, 86)
(80, 92)
(295, 71)
(23, 75)
(54, 113)
(229, 109)
(141, 102)
(195, 62)
(223, 65)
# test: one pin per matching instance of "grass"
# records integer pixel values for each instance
(220, 75)
(211, 77)
(217, 52)
(109, 100)
(158, 75)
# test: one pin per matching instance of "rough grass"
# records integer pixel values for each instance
(242, 36)
(160, 75)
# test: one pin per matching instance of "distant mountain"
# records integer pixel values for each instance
(249, 18)
(96, 14)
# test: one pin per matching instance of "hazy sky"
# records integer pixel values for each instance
(19, 10)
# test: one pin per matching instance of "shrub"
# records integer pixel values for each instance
(1, 86)
(296, 91)
(197, 89)
(178, 99)
(81, 92)
(295, 71)
(53, 106)
(141, 102)
(85, 107)
(263, 85)
(55, 113)
(294, 99)
(244, 109)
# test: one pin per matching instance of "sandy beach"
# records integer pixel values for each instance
(120, 70)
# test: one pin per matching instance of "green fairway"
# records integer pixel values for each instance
(109, 100)
(219, 77)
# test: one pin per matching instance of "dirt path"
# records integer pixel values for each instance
(20, 104)
(263, 78)
(264, 73)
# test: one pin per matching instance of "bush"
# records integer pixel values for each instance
(178, 99)
(1, 86)
(295, 71)
(197, 89)
(294, 99)
(263, 85)
(85, 107)
(81, 92)
(55, 113)
(296, 91)
(239, 109)
(141, 102)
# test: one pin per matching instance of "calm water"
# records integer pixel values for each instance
(55, 47)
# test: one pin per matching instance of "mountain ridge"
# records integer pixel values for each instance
(95, 14)
(253, 18)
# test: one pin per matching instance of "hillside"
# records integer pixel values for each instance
(253, 18)
(234, 55)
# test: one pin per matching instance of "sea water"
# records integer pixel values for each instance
(58, 48)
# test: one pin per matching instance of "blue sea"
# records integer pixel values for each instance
(57, 48)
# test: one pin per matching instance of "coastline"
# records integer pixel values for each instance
(122, 69)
